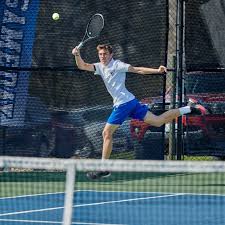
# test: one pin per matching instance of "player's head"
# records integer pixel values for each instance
(105, 53)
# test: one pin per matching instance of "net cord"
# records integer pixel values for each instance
(113, 165)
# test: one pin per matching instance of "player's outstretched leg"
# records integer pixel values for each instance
(170, 115)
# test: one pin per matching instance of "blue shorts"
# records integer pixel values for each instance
(133, 109)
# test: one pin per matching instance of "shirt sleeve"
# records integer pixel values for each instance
(122, 67)
(97, 69)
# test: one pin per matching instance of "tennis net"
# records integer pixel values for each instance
(57, 191)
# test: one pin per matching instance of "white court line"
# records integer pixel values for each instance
(126, 200)
(152, 192)
(141, 192)
(31, 211)
(90, 204)
(54, 222)
(55, 193)
(24, 196)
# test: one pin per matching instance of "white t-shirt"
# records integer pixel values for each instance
(114, 76)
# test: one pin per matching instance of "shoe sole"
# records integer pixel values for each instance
(108, 175)
(96, 178)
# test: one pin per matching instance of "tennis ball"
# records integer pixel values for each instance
(55, 16)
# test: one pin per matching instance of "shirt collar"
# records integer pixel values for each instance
(110, 63)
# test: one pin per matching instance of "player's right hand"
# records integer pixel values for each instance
(76, 51)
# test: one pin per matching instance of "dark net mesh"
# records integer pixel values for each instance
(204, 38)
(204, 34)
(205, 134)
(137, 31)
(48, 106)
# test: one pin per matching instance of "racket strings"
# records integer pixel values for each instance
(95, 26)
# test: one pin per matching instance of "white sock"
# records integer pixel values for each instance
(184, 110)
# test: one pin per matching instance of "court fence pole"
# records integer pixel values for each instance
(179, 71)
(172, 137)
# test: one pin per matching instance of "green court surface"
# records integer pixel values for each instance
(25, 183)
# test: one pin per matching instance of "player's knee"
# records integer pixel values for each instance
(158, 123)
(106, 134)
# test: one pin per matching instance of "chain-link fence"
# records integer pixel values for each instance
(50, 108)
(202, 77)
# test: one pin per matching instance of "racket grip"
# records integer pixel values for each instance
(80, 45)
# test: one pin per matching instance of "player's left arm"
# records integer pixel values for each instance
(146, 70)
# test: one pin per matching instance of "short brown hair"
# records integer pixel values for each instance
(107, 47)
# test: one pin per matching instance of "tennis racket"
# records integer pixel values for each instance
(93, 29)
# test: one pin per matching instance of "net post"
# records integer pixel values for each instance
(69, 191)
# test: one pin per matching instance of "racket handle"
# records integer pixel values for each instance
(80, 45)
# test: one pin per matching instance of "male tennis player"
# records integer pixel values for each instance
(113, 73)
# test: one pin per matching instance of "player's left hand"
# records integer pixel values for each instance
(162, 69)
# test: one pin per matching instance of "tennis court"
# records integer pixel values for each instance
(117, 208)
(124, 198)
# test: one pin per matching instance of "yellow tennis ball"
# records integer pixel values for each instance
(55, 16)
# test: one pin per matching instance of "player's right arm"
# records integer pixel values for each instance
(80, 62)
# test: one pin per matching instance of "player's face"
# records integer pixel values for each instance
(104, 56)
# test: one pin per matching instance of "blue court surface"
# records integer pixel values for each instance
(115, 208)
